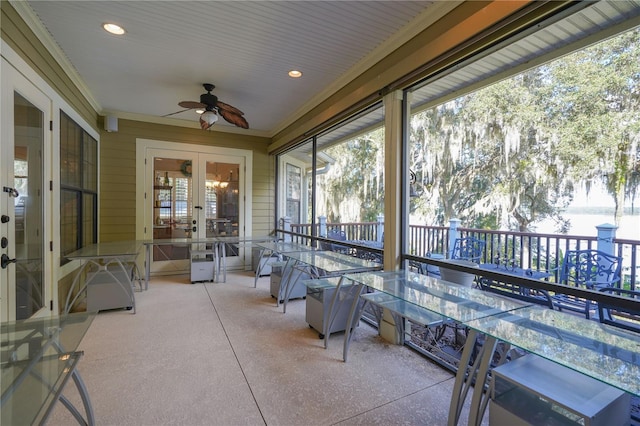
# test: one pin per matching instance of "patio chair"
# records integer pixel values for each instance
(468, 248)
(335, 234)
(587, 269)
(516, 291)
(454, 276)
(459, 277)
(613, 315)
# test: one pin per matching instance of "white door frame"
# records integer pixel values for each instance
(13, 81)
(145, 179)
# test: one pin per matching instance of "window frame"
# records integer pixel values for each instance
(84, 190)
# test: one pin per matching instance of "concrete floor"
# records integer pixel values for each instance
(224, 354)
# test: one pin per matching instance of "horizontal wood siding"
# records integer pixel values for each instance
(263, 194)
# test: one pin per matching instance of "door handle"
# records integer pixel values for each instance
(5, 261)
(197, 207)
(11, 191)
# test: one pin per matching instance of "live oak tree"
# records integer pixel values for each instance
(596, 109)
(511, 154)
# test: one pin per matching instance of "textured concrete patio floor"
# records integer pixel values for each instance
(224, 354)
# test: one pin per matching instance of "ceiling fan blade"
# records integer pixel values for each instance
(233, 118)
(191, 104)
(177, 112)
(227, 107)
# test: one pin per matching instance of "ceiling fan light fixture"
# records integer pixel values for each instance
(208, 119)
(113, 28)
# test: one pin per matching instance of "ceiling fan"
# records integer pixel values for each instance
(212, 107)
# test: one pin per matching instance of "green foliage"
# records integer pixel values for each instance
(354, 187)
(511, 154)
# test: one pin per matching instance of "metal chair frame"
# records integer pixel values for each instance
(589, 269)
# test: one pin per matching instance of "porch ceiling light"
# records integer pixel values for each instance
(208, 119)
(113, 28)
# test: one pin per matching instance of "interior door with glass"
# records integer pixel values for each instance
(25, 136)
(194, 196)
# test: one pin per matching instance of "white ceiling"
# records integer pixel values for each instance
(245, 48)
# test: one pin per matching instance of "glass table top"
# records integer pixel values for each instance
(178, 241)
(515, 271)
(332, 262)
(605, 353)
(36, 356)
(108, 249)
(453, 301)
(235, 239)
(284, 247)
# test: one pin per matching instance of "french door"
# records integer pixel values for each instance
(26, 142)
(193, 195)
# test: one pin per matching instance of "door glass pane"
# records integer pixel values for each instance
(28, 207)
(172, 206)
(222, 200)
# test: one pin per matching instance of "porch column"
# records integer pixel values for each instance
(380, 230)
(606, 235)
(394, 196)
(454, 224)
(322, 221)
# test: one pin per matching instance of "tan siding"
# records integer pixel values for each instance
(118, 173)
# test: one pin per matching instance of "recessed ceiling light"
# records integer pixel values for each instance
(295, 73)
(113, 29)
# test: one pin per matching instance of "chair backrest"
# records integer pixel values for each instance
(334, 234)
(468, 249)
(516, 291)
(337, 234)
(590, 269)
(459, 277)
(612, 315)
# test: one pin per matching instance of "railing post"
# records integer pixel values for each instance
(323, 226)
(454, 224)
(286, 225)
(606, 235)
(380, 230)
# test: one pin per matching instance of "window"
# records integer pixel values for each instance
(349, 179)
(78, 187)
